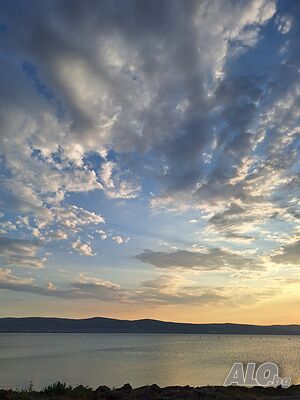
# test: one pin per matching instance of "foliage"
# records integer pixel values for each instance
(57, 389)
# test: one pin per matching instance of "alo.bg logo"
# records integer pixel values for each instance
(266, 374)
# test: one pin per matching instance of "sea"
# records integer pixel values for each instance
(96, 359)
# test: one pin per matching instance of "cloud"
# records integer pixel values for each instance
(7, 277)
(8, 226)
(20, 253)
(119, 95)
(58, 235)
(116, 186)
(284, 23)
(82, 288)
(103, 234)
(60, 223)
(163, 290)
(166, 289)
(73, 217)
(120, 239)
(172, 289)
(241, 217)
(289, 254)
(85, 280)
(238, 238)
(83, 248)
(204, 259)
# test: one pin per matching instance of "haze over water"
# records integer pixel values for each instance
(140, 359)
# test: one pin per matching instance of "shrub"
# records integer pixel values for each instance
(57, 388)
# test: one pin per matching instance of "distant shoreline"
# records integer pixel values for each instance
(149, 333)
(109, 325)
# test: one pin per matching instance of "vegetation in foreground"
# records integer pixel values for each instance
(62, 391)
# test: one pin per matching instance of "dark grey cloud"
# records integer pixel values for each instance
(20, 253)
(233, 222)
(163, 46)
(174, 54)
(224, 219)
(239, 237)
(209, 259)
(289, 254)
(44, 291)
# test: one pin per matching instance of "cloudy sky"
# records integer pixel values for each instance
(149, 159)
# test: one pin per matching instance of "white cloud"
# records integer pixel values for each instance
(83, 248)
(59, 235)
(8, 226)
(102, 234)
(74, 217)
(23, 221)
(116, 186)
(284, 23)
(36, 233)
(84, 279)
(50, 286)
(120, 240)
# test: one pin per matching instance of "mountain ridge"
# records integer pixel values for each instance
(112, 325)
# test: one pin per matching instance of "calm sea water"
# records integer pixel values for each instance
(114, 359)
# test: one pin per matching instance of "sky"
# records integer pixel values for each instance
(149, 159)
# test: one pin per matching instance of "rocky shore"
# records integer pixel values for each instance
(153, 392)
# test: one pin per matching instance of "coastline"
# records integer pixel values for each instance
(152, 392)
